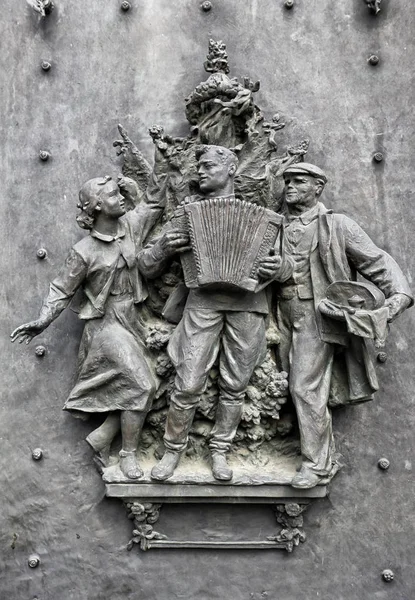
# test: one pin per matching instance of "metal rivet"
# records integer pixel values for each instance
(34, 561)
(388, 575)
(206, 6)
(44, 155)
(373, 60)
(41, 253)
(46, 65)
(378, 157)
(37, 454)
(40, 350)
(382, 357)
(289, 3)
(125, 6)
(383, 463)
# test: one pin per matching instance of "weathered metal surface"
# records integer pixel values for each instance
(134, 67)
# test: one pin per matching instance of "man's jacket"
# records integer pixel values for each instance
(340, 250)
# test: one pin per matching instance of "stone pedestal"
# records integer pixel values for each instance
(144, 501)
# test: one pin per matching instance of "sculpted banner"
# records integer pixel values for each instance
(226, 311)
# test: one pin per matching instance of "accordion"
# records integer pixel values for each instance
(229, 238)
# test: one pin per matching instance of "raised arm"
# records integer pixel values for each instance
(61, 291)
(148, 206)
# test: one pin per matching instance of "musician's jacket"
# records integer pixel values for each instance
(153, 262)
(339, 250)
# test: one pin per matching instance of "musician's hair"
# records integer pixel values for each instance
(225, 155)
(89, 200)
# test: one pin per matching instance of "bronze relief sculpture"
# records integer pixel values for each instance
(222, 315)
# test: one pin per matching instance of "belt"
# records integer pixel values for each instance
(303, 291)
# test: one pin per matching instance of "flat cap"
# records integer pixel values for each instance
(307, 169)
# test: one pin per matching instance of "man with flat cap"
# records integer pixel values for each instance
(325, 248)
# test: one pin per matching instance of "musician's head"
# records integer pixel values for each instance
(216, 169)
(304, 184)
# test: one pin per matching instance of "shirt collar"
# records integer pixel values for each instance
(108, 238)
(305, 218)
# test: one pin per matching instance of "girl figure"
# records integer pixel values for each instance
(114, 370)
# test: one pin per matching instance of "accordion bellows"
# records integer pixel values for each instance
(229, 238)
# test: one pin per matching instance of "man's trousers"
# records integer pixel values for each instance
(203, 334)
(309, 362)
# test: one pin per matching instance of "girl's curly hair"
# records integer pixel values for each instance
(89, 201)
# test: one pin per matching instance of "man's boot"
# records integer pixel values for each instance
(228, 416)
(165, 468)
(178, 424)
(220, 468)
(305, 479)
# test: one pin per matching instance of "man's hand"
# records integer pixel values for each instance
(174, 242)
(396, 304)
(25, 333)
(270, 267)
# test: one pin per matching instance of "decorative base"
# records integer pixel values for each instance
(143, 502)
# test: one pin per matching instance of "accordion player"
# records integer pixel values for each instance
(229, 238)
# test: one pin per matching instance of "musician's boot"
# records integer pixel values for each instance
(167, 465)
(228, 416)
(220, 468)
(178, 424)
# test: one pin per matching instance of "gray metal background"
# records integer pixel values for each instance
(136, 68)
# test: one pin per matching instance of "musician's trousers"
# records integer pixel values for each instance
(239, 339)
(309, 361)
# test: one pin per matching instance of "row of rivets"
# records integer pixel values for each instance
(373, 59)
(207, 6)
(40, 351)
(45, 7)
(383, 463)
(34, 559)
